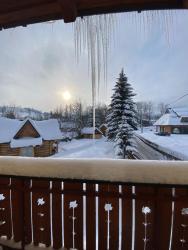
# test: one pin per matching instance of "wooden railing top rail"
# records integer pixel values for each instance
(107, 170)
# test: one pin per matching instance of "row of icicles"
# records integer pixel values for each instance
(96, 33)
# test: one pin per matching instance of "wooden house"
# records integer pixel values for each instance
(29, 137)
(174, 121)
(87, 133)
(103, 129)
(69, 129)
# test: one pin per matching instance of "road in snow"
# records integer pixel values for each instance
(146, 152)
(86, 148)
(175, 144)
(101, 148)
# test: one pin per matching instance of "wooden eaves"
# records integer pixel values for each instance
(15, 13)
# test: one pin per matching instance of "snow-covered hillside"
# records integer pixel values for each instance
(86, 148)
(22, 113)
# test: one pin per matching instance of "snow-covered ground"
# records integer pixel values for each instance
(176, 145)
(86, 148)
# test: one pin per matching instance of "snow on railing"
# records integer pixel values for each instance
(121, 171)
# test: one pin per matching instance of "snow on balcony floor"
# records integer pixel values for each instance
(86, 148)
(176, 145)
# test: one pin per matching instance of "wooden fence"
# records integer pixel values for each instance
(77, 215)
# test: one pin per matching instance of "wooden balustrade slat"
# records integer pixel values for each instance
(108, 217)
(17, 208)
(57, 215)
(144, 220)
(90, 218)
(73, 215)
(180, 232)
(126, 219)
(5, 209)
(27, 214)
(41, 214)
(163, 218)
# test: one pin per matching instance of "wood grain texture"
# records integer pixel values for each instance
(23, 12)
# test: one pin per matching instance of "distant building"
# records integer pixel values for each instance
(87, 133)
(69, 129)
(29, 137)
(174, 121)
(103, 129)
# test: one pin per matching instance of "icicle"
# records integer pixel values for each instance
(94, 34)
(166, 20)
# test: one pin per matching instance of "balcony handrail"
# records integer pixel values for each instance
(105, 170)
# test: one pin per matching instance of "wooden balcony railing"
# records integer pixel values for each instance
(93, 204)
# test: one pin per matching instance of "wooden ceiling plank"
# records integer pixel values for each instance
(9, 5)
(86, 8)
(34, 12)
(23, 12)
(185, 3)
(69, 10)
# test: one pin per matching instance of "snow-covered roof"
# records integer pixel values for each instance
(89, 131)
(170, 119)
(68, 125)
(103, 125)
(8, 128)
(25, 142)
(183, 111)
(47, 129)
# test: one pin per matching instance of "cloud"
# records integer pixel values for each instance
(38, 62)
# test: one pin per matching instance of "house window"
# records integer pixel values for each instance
(27, 152)
(176, 131)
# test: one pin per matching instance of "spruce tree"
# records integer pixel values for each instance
(121, 119)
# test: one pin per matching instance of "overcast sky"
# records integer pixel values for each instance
(38, 63)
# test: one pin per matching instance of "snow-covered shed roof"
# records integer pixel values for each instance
(171, 119)
(47, 129)
(90, 130)
(103, 125)
(25, 142)
(66, 125)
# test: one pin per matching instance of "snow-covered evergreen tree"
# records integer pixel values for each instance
(123, 138)
(121, 119)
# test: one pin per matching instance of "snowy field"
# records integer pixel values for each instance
(176, 145)
(86, 148)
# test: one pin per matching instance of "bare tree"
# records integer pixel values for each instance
(162, 107)
(145, 113)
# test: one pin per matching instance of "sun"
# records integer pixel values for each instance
(66, 95)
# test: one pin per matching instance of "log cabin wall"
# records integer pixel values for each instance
(27, 131)
(168, 129)
(46, 149)
(97, 136)
(6, 150)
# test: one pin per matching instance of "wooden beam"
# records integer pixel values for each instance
(185, 4)
(24, 12)
(69, 10)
